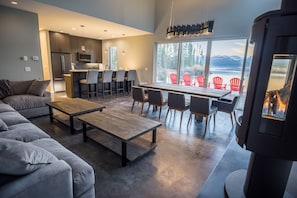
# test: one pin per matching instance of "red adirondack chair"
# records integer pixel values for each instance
(173, 78)
(187, 79)
(200, 80)
(218, 82)
(234, 84)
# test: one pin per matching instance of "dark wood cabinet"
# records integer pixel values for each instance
(87, 46)
(59, 42)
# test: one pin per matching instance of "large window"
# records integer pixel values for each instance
(167, 62)
(113, 60)
(226, 60)
(190, 61)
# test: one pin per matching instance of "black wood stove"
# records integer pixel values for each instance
(268, 126)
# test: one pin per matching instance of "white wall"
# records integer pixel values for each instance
(19, 37)
(138, 54)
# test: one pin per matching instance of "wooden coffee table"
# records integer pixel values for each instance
(72, 107)
(122, 126)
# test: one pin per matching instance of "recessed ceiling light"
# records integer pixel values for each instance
(14, 2)
(82, 26)
(105, 30)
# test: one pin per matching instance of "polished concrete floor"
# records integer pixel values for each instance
(178, 167)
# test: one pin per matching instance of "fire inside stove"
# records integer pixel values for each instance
(279, 86)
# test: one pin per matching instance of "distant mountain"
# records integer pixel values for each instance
(235, 61)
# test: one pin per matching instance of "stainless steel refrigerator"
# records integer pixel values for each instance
(61, 64)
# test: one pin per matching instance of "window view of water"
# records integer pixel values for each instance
(182, 63)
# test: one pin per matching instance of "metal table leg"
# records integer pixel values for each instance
(84, 131)
(154, 137)
(124, 153)
(71, 125)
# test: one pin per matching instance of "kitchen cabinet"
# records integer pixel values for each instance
(59, 42)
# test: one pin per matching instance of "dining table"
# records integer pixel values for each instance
(192, 90)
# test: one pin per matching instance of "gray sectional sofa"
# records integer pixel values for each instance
(28, 97)
(35, 165)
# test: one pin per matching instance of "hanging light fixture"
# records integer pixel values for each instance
(199, 29)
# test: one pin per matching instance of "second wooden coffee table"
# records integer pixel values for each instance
(73, 107)
(122, 126)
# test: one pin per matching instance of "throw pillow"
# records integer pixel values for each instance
(3, 126)
(5, 89)
(38, 87)
(20, 87)
(19, 158)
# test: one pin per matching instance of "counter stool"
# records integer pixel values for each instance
(119, 81)
(106, 80)
(91, 79)
(130, 79)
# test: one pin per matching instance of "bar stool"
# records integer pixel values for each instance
(91, 79)
(119, 81)
(130, 79)
(106, 80)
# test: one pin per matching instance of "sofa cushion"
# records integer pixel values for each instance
(38, 87)
(19, 102)
(3, 126)
(6, 108)
(82, 172)
(20, 87)
(5, 89)
(19, 158)
(12, 118)
(25, 132)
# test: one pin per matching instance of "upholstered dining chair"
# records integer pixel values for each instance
(138, 96)
(202, 106)
(177, 101)
(227, 107)
(119, 81)
(106, 80)
(218, 82)
(91, 79)
(155, 98)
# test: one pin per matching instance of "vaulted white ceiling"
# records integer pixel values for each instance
(61, 20)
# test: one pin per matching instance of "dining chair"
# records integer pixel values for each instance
(234, 84)
(119, 81)
(173, 78)
(202, 106)
(138, 96)
(187, 79)
(218, 82)
(177, 101)
(155, 98)
(91, 79)
(227, 107)
(130, 79)
(106, 80)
